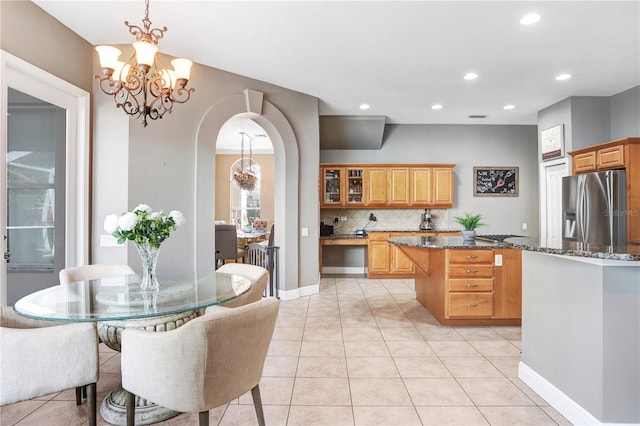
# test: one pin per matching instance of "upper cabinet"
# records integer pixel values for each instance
(342, 186)
(391, 185)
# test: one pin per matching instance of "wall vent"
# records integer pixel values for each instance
(477, 116)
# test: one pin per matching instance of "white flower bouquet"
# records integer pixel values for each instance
(143, 226)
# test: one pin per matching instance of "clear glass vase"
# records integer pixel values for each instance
(148, 259)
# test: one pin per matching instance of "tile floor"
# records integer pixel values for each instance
(361, 352)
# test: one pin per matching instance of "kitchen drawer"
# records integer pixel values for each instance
(470, 284)
(344, 242)
(470, 304)
(611, 157)
(378, 236)
(471, 256)
(470, 271)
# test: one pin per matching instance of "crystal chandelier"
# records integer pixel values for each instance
(143, 87)
(244, 175)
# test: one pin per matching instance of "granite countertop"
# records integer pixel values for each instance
(629, 252)
(443, 242)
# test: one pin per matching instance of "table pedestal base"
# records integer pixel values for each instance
(113, 409)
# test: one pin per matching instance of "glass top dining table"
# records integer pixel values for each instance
(120, 297)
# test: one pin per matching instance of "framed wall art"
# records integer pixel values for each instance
(495, 181)
(552, 142)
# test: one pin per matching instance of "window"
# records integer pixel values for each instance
(245, 205)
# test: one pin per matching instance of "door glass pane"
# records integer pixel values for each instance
(34, 128)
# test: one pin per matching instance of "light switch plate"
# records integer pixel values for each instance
(498, 260)
(304, 232)
(109, 241)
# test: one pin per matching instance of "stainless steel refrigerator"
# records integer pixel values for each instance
(594, 208)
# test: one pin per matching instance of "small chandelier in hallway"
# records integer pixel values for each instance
(244, 175)
(143, 87)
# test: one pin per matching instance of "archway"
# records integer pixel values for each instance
(252, 104)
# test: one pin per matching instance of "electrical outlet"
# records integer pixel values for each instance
(524, 226)
(304, 232)
(343, 218)
(498, 260)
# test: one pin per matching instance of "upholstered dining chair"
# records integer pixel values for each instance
(258, 276)
(38, 358)
(92, 272)
(207, 362)
(227, 243)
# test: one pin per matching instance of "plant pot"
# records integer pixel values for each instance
(469, 235)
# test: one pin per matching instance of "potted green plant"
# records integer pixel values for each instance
(470, 222)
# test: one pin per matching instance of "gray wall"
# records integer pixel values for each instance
(625, 113)
(466, 146)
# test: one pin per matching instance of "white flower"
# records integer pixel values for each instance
(128, 221)
(142, 208)
(155, 215)
(111, 223)
(177, 217)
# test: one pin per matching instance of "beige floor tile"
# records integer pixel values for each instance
(471, 367)
(383, 367)
(191, 419)
(57, 413)
(285, 348)
(273, 391)
(294, 321)
(280, 366)
(508, 365)
(509, 333)
(452, 416)
(358, 321)
(421, 368)
(537, 399)
(366, 349)
(330, 322)
(379, 392)
(385, 416)
(322, 348)
(323, 333)
(112, 365)
(320, 416)
(516, 416)
(288, 333)
(555, 415)
(390, 334)
(494, 391)
(321, 391)
(437, 393)
(478, 333)
(391, 321)
(245, 415)
(438, 332)
(410, 348)
(12, 413)
(495, 348)
(319, 366)
(361, 333)
(330, 310)
(286, 311)
(445, 348)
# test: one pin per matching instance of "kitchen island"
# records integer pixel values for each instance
(463, 283)
(581, 329)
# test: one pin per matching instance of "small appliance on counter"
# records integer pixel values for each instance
(425, 223)
(326, 230)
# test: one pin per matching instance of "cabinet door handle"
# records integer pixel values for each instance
(471, 257)
(471, 305)
(472, 285)
(472, 271)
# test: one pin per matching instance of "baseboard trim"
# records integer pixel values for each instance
(299, 292)
(566, 406)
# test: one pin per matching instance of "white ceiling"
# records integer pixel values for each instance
(401, 57)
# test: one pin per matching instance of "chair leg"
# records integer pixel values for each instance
(79, 395)
(203, 418)
(257, 403)
(91, 403)
(130, 404)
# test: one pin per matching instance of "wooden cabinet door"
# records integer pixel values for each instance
(585, 162)
(443, 187)
(376, 186)
(609, 158)
(399, 262)
(378, 257)
(399, 186)
(421, 186)
(332, 182)
(354, 187)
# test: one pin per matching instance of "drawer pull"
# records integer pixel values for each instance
(471, 305)
(472, 285)
(471, 257)
(471, 271)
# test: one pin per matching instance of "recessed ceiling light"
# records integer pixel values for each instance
(471, 76)
(365, 106)
(563, 77)
(436, 106)
(530, 18)
(509, 107)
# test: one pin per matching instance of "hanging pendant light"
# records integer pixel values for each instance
(244, 175)
(143, 87)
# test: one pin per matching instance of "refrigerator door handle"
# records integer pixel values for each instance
(581, 209)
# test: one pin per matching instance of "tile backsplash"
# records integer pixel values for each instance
(387, 219)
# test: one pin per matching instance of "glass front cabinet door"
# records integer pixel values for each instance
(332, 187)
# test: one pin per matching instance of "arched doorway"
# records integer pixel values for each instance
(252, 105)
